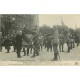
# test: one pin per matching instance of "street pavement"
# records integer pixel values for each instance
(74, 55)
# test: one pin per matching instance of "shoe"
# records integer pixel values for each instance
(37, 55)
(54, 59)
(24, 55)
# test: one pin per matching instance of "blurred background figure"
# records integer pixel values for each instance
(77, 39)
(48, 43)
(14, 43)
(7, 44)
(41, 42)
(61, 42)
(72, 37)
(68, 40)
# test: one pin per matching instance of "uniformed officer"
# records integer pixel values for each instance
(68, 40)
(61, 42)
(55, 44)
(48, 44)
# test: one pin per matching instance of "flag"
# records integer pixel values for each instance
(27, 36)
(62, 22)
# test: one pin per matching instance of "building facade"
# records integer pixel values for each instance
(13, 22)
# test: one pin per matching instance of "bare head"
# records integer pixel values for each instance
(20, 32)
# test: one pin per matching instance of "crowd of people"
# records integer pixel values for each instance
(50, 42)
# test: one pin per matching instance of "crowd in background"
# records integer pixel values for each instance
(49, 39)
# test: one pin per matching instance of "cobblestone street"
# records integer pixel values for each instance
(74, 55)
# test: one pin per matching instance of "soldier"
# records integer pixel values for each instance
(55, 44)
(61, 42)
(45, 41)
(72, 41)
(49, 44)
(29, 47)
(7, 44)
(24, 45)
(23, 48)
(35, 46)
(52, 40)
(68, 40)
(77, 39)
(41, 42)
(19, 43)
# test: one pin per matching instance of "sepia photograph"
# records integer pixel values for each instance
(39, 39)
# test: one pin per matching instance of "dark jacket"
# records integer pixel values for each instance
(18, 41)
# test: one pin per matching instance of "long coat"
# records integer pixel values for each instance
(18, 41)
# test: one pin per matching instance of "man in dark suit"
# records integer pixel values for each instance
(19, 43)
